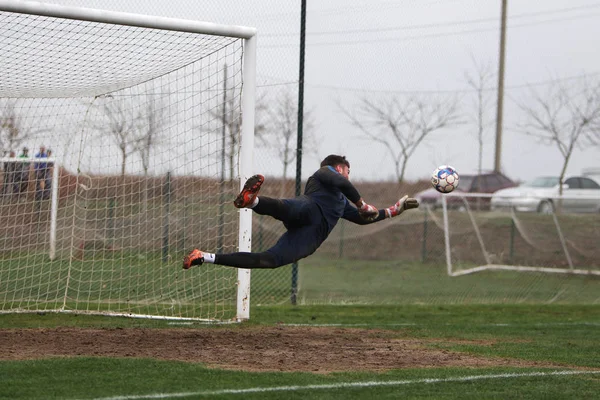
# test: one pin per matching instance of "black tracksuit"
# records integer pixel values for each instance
(309, 219)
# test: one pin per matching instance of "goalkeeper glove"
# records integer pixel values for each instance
(367, 211)
(405, 203)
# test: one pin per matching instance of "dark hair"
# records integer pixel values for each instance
(335, 160)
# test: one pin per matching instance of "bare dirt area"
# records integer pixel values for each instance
(310, 349)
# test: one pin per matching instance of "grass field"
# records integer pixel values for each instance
(567, 337)
(510, 335)
(325, 281)
(134, 283)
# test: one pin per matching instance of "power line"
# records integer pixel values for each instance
(432, 35)
(454, 91)
(437, 25)
(349, 9)
(278, 84)
(372, 6)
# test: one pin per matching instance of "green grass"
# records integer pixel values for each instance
(143, 283)
(565, 335)
(128, 282)
(528, 316)
(324, 281)
(79, 379)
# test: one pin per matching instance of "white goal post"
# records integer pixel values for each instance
(508, 240)
(52, 174)
(132, 206)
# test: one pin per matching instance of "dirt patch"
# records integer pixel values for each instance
(319, 350)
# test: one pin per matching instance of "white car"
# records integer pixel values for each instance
(580, 194)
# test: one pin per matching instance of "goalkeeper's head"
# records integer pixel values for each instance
(335, 160)
(339, 163)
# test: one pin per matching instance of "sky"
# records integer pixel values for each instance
(378, 49)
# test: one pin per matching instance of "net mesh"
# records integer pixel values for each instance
(530, 256)
(144, 126)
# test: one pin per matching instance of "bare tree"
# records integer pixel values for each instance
(480, 81)
(122, 127)
(150, 134)
(593, 134)
(149, 130)
(228, 114)
(401, 124)
(13, 131)
(563, 117)
(280, 131)
(233, 123)
(231, 118)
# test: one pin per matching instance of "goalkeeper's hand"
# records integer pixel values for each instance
(405, 203)
(367, 211)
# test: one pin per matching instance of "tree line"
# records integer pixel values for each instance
(566, 116)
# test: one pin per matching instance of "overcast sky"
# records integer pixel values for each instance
(387, 48)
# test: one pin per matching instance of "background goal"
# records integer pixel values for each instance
(556, 251)
(143, 116)
(559, 241)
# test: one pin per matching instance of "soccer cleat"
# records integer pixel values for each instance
(194, 258)
(249, 192)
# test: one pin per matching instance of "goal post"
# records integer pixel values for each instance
(134, 108)
(562, 243)
(13, 175)
(246, 165)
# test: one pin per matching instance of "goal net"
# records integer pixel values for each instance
(143, 118)
(553, 243)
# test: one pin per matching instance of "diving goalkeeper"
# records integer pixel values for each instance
(308, 218)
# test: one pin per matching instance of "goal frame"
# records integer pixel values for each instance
(489, 266)
(248, 34)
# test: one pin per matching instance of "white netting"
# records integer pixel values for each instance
(144, 125)
(94, 58)
(563, 239)
(541, 257)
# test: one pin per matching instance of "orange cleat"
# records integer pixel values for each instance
(249, 192)
(196, 257)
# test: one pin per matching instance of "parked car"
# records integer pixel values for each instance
(581, 194)
(488, 182)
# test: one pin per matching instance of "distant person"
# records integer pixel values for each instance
(8, 184)
(309, 218)
(42, 175)
(50, 172)
(22, 174)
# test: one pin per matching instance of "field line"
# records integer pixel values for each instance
(375, 324)
(347, 325)
(345, 385)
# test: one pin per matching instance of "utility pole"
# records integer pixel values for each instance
(500, 102)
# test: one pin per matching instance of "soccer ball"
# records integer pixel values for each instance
(444, 179)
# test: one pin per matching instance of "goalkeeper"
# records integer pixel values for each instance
(308, 218)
